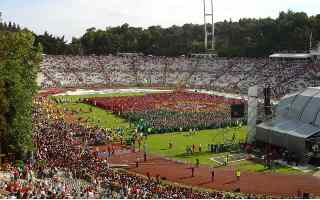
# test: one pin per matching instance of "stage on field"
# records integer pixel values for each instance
(229, 158)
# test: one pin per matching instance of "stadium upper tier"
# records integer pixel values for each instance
(234, 75)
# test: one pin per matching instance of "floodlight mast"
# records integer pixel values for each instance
(206, 33)
(310, 42)
(212, 21)
(205, 25)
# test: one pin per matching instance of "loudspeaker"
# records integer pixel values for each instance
(237, 110)
(267, 101)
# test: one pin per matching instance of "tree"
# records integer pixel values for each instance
(4, 108)
(244, 38)
(75, 47)
(53, 45)
(19, 65)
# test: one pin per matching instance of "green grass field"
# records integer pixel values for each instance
(159, 144)
(98, 116)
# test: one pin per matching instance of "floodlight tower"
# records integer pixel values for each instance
(310, 41)
(206, 32)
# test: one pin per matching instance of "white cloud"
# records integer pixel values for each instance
(73, 17)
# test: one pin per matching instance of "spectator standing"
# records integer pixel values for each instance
(145, 156)
(192, 171)
(238, 174)
(212, 175)
(197, 162)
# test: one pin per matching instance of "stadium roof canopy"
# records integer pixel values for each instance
(298, 114)
(203, 55)
(297, 120)
(315, 53)
(130, 54)
(292, 55)
(290, 128)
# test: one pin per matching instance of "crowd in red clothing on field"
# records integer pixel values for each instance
(175, 111)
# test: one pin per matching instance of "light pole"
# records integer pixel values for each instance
(206, 33)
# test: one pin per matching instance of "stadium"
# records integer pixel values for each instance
(133, 113)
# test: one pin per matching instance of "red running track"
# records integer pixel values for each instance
(250, 182)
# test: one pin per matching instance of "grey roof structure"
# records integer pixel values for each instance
(291, 55)
(298, 115)
(290, 127)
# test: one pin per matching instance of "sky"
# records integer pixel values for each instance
(73, 17)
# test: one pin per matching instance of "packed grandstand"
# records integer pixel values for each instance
(234, 75)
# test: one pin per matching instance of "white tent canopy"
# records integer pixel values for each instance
(292, 55)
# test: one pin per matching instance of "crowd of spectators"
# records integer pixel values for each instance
(65, 167)
(234, 75)
(169, 112)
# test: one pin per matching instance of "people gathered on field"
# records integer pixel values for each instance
(64, 167)
(169, 112)
(233, 75)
